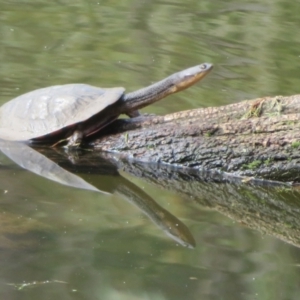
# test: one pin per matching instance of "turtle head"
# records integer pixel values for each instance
(190, 76)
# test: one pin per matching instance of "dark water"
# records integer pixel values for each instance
(78, 244)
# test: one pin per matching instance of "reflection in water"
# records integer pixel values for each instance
(31, 160)
(39, 164)
(269, 206)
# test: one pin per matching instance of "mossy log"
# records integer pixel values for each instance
(255, 138)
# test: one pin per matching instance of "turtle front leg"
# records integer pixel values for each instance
(75, 139)
(134, 114)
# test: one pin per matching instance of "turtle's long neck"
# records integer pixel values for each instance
(170, 85)
(145, 96)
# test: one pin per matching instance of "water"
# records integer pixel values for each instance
(78, 244)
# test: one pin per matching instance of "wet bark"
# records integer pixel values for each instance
(256, 138)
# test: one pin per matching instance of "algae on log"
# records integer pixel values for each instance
(256, 138)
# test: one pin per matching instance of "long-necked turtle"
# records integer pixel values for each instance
(74, 111)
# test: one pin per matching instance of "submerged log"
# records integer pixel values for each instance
(255, 138)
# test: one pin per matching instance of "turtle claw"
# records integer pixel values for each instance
(58, 143)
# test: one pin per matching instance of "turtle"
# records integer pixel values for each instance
(67, 114)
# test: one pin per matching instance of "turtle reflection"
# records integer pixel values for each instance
(55, 166)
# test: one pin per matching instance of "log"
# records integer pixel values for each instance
(255, 138)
